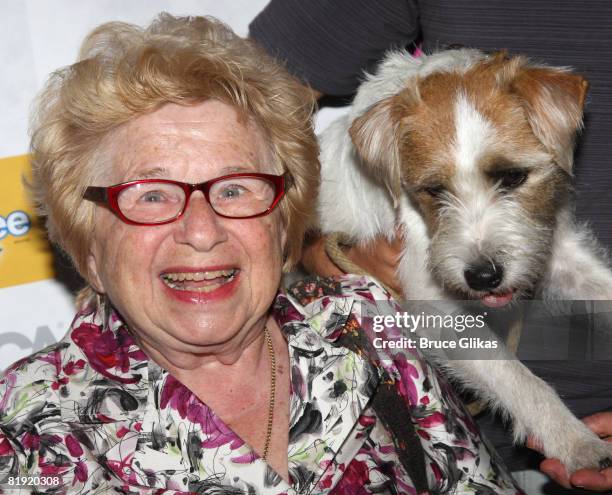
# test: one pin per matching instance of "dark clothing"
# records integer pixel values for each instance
(330, 43)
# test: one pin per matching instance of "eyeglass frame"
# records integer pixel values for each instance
(109, 195)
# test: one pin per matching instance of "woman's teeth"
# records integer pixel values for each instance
(191, 281)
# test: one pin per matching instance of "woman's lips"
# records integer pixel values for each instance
(200, 285)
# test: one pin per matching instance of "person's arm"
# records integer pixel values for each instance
(588, 479)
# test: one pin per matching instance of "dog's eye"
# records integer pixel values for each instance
(511, 179)
(434, 191)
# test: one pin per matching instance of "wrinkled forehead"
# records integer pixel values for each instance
(464, 122)
(183, 138)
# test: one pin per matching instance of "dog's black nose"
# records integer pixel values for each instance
(485, 276)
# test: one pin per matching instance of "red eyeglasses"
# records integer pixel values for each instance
(160, 201)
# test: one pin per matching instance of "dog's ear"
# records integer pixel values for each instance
(376, 136)
(553, 100)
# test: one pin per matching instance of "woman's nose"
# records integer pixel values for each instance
(200, 226)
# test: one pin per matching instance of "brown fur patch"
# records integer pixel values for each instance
(542, 198)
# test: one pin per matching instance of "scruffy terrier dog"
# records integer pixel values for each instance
(472, 156)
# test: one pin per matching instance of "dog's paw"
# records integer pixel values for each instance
(586, 451)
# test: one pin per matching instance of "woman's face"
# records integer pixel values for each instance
(131, 263)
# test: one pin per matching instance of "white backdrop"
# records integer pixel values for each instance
(37, 37)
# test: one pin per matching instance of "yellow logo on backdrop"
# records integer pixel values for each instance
(25, 254)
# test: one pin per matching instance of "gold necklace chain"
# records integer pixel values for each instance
(272, 393)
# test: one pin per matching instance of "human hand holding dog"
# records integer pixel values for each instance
(589, 479)
(315, 259)
(379, 258)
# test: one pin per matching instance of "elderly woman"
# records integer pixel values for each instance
(176, 166)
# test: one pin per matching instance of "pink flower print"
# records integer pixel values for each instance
(175, 395)
(365, 420)
(423, 434)
(165, 491)
(327, 479)
(74, 447)
(387, 449)
(431, 420)
(357, 474)
(247, 458)
(31, 441)
(366, 294)
(72, 367)
(436, 471)
(123, 468)
(59, 382)
(53, 466)
(76, 451)
(106, 350)
(178, 397)
(5, 447)
(53, 358)
(219, 434)
(80, 472)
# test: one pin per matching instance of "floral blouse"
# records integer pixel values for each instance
(92, 414)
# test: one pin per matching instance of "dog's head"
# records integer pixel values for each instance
(485, 153)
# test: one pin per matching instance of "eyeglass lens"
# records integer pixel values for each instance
(238, 197)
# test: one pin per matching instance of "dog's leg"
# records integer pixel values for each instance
(579, 269)
(535, 410)
(509, 387)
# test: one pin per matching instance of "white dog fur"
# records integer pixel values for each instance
(364, 194)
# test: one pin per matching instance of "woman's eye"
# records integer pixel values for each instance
(153, 197)
(434, 191)
(511, 179)
(232, 192)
